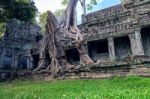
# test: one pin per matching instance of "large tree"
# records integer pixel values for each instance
(58, 32)
(59, 12)
(21, 9)
(24, 10)
(43, 16)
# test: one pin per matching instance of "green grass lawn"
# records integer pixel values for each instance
(116, 88)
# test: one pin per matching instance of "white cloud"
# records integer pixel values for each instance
(44, 5)
(53, 5)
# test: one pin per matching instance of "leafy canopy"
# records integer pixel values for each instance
(65, 2)
(42, 19)
(20, 9)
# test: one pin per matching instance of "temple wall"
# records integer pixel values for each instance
(115, 38)
(120, 26)
(16, 44)
(116, 22)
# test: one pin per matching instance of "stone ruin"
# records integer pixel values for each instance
(116, 38)
(16, 47)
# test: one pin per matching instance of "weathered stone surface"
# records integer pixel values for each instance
(116, 38)
(16, 45)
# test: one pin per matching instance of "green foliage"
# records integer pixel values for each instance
(2, 29)
(20, 9)
(89, 6)
(42, 18)
(59, 12)
(24, 11)
(116, 88)
(64, 2)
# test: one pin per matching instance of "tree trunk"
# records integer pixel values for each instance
(54, 39)
(72, 27)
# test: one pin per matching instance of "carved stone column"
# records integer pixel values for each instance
(111, 49)
(2, 57)
(13, 62)
(29, 60)
(16, 61)
(139, 42)
(136, 43)
(28, 63)
(86, 48)
(133, 44)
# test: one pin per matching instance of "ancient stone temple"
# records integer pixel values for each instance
(118, 32)
(16, 44)
(116, 38)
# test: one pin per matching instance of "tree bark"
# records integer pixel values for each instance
(72, 27)
(54, 39)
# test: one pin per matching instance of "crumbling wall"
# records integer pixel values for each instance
(7, 59)
(20, 30)
(16, 44)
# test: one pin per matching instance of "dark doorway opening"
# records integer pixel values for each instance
(48, 60)
(122, 47)
(145, 33)
(35, 60)
(22, 62)
(72, 56)
(98, 50)
(7, 61)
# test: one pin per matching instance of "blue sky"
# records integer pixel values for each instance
(101, 5)
(53, 5)
(104, 4)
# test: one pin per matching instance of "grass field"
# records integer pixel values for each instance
(116, 88)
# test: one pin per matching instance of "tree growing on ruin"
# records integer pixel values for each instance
(58, 33)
